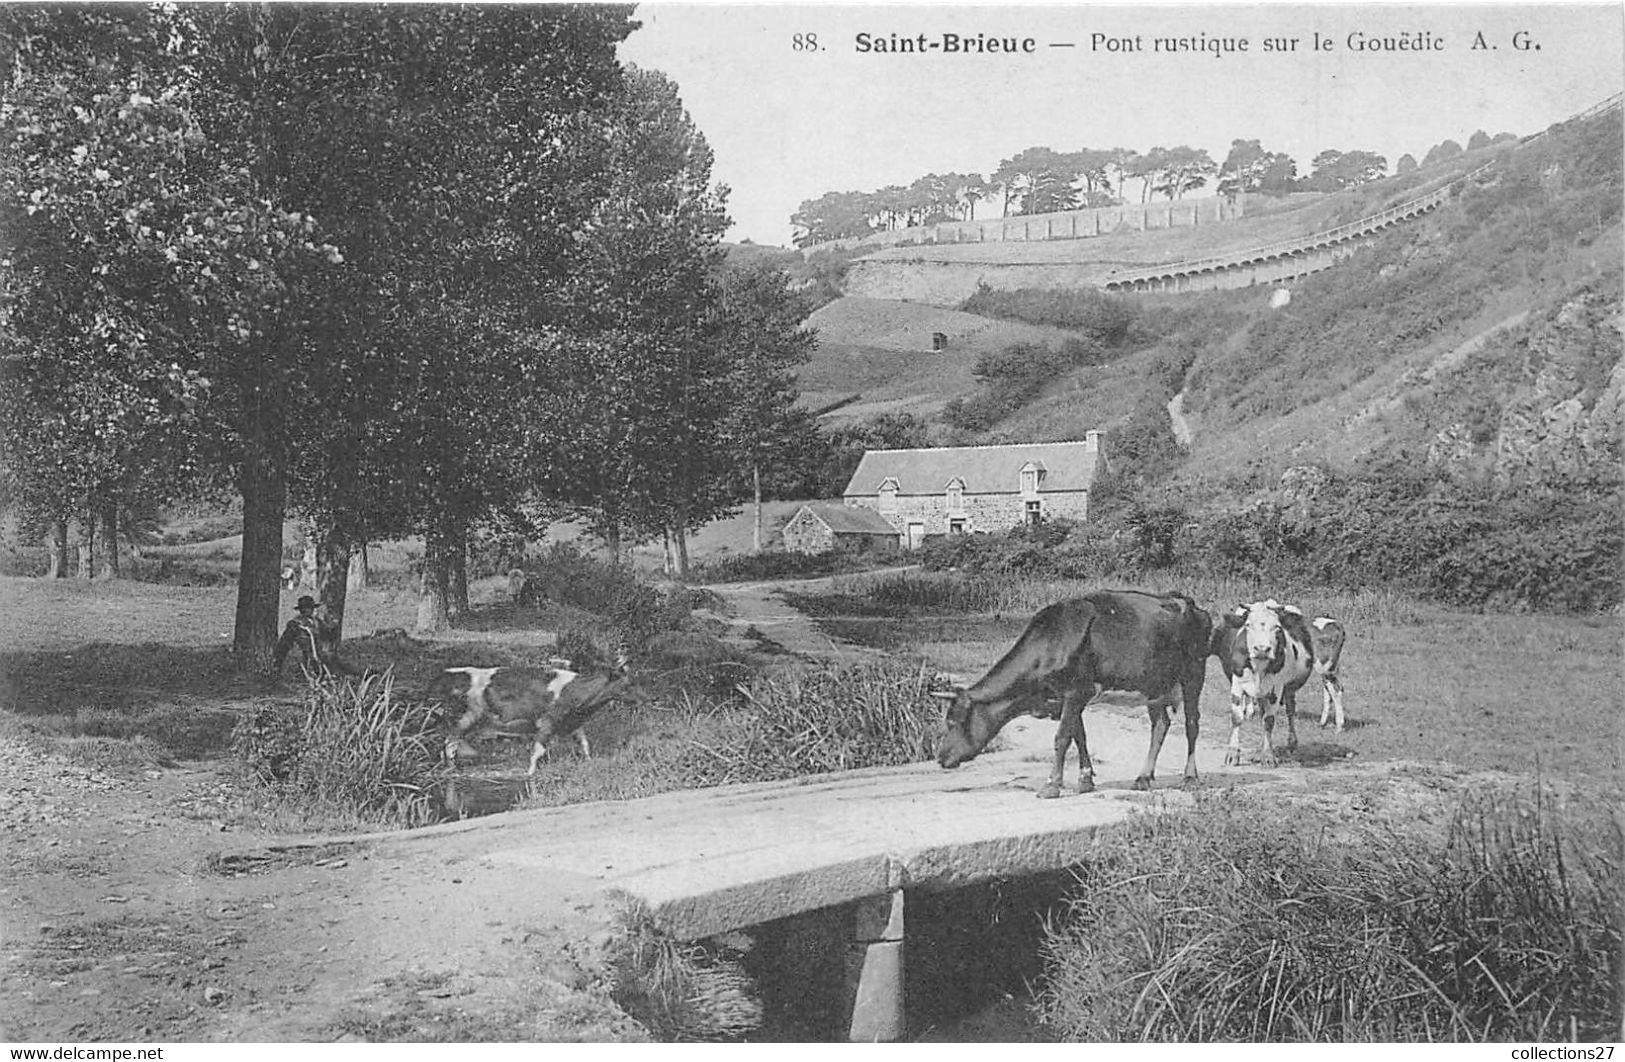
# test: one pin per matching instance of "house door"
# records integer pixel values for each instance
(916, 535)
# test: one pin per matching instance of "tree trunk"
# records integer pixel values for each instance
(308, 562)
(457, 569)
(359, 573)
(86, 546)
(680, 535)
(259, 582)
(667, 561)
(434, 588)
(57, 544)
(756, 516)
(110, 556)
(333, 578)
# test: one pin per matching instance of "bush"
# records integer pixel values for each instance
(633, 611)
(1106, 319)
(826, 719)
(1233, 923)
(360, 754)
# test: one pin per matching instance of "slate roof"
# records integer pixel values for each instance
(1067, 466)
(850, 519)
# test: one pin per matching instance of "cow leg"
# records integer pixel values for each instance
(1069, 729)
(586, 749)
(1266, 755)
(1238, 715)
(1159, 731)
(1191, 692)
(1331, 699)
(538, 753)
(1289, 701)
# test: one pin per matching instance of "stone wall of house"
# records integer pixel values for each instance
(805, 533)
(982, 512)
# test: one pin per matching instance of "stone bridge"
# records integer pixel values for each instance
(853, 845)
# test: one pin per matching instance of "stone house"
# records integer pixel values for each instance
(955, 490)
(819, 527)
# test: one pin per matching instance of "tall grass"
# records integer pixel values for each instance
(1239, 923)
(814, 720)
(679, 990)
(361, 754)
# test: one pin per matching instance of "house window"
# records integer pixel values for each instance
(888, 496)
(1035, 513)
(956, 495)
(1031, 474)
(956, 527)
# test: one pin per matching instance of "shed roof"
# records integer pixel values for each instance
(849, 519)
(1067, 466)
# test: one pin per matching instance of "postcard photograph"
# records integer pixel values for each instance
(754, 523)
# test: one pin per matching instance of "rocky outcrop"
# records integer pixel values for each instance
(1563, 411)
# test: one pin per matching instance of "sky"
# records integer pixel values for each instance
(788, 125)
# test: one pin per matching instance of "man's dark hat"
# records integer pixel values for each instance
(305, 604)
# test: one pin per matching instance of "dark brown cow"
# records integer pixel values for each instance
(542, 703)
(1153, 644)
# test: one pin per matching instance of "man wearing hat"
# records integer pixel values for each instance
(316, 638)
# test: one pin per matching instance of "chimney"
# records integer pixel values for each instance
(1094, 448)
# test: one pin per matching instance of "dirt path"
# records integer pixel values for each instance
(123, 923)
(761, 606)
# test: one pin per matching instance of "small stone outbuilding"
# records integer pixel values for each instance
(819, 527)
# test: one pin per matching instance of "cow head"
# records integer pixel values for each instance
(1262, 632)
(963, 739)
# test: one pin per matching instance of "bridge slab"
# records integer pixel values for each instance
(704, 862)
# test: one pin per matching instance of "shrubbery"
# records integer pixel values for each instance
(1236, 923)
(633, 611)
(360, 754)
(1549, 546)
(809, 721)
(1106, 319)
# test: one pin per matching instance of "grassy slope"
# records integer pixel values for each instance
(1370, 355)
(882, 351)
(877, 349)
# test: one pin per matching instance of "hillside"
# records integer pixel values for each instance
(1485, 335)
(945, 273)
(880, 352)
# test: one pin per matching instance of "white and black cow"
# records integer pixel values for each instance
(1268, 651)
(542, 703)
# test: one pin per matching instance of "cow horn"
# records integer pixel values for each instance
(945, 695)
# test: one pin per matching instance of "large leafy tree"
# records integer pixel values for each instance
(1335, 170)
(457, 152)
(637, 396)
(833, 216)
(1249, 168)
(147, 273)
(447, 157)
(1182, 169)
(1037, 180)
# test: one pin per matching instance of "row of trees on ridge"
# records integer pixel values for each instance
(1041, 180)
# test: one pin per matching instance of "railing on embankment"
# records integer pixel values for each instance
(1283, 260)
